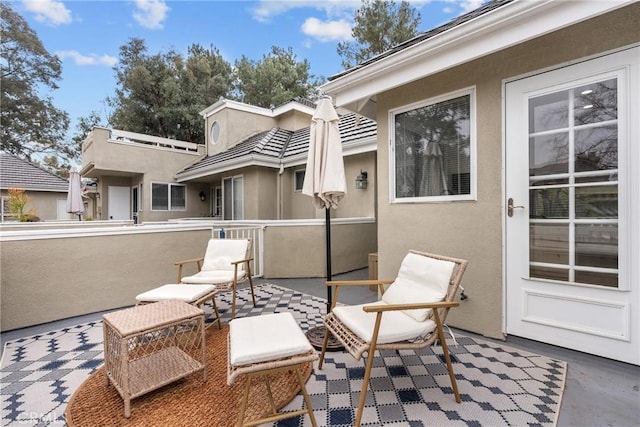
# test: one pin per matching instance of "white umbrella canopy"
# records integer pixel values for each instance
(75, 205)
(325, 182)
(324, 178)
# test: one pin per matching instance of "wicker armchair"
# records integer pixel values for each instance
(226, 263)
(415, 307)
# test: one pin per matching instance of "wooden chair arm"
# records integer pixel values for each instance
(241, 261)
(181, 264)
(413, 306)
(187, 261)
(364, 282)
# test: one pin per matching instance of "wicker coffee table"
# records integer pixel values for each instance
(149, 346)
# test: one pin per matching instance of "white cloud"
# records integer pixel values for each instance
(51, 12)
(267, 9)
(151, 13)
(91, 59)
(469, 5)
(326, 31)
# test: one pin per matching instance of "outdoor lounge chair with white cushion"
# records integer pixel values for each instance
(226, 263)
(409, 315)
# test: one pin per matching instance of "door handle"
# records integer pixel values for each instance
(510, 207)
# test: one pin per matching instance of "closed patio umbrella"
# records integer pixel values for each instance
(75, 205)
(324, 179)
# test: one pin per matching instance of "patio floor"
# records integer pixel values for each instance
(599, 391)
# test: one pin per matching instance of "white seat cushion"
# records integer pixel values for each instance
(420, 280)
(395, 325)
(186, 293)
(212, 277)
(263, 338)
(221, 252)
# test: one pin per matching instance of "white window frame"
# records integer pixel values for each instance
(295, 180)
(472, 196)
(170, 207)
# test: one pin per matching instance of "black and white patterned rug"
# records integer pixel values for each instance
(499, 386)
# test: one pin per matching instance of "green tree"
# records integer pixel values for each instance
(274, 80)
(162, 94)
(29, 122)
(378, 26)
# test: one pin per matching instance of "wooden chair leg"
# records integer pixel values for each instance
(324, 347)
(447, 358)
(365, 387)
(305, 395)
(249, 274)
(216, 312)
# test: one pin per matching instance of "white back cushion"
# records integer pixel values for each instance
(421, 279)
(222, 252)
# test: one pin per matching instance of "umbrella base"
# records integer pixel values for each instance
(316, 338)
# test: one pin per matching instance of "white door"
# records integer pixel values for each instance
(119, 199)
(572, 206)
(61, 210)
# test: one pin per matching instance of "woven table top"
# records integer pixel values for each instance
(144, 317)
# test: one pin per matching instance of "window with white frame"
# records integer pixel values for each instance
(433, 149)
(168, 197)
(217, 201)
(233, 199)
(299, 180)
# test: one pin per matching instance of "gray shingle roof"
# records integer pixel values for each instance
(283, 144)
(485, 8)
(18, 173)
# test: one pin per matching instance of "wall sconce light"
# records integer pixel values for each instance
(202, 196)
(361, 180)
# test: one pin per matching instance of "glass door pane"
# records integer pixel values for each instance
(573, 185)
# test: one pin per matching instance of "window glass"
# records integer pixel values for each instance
(233, 198)
(159, 197)
(168, 197)
(433, 150)
(178, 199)
(299, 180)
(215, 132)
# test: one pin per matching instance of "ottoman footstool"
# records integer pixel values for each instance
(262, 345)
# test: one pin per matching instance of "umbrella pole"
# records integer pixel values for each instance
(328, 248)
(316, 335)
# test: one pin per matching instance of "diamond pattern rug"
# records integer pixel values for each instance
(499, 386)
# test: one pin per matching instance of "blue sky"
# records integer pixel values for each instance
(87, 34)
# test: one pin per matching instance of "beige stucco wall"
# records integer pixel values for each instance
(294, 120)
(91, 270)
(235, 127)
(83, 275)
(473, 230)
(292, 251)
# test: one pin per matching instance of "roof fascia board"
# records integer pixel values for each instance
(229, 165)
(241, 106)
(509, 25)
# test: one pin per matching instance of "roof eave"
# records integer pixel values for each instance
(509, 25)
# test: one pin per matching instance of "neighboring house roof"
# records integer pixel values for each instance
(277, 147)
(18, 173)
(486, 7)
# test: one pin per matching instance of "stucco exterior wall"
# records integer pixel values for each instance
(292, 251)
(473, 230)
(83, 275)
(235, 127)
(294, 120)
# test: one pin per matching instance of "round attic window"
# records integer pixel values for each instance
(215, 132)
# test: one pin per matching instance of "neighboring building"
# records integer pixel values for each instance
(251, 167)
(509, 137)
(47, 192)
